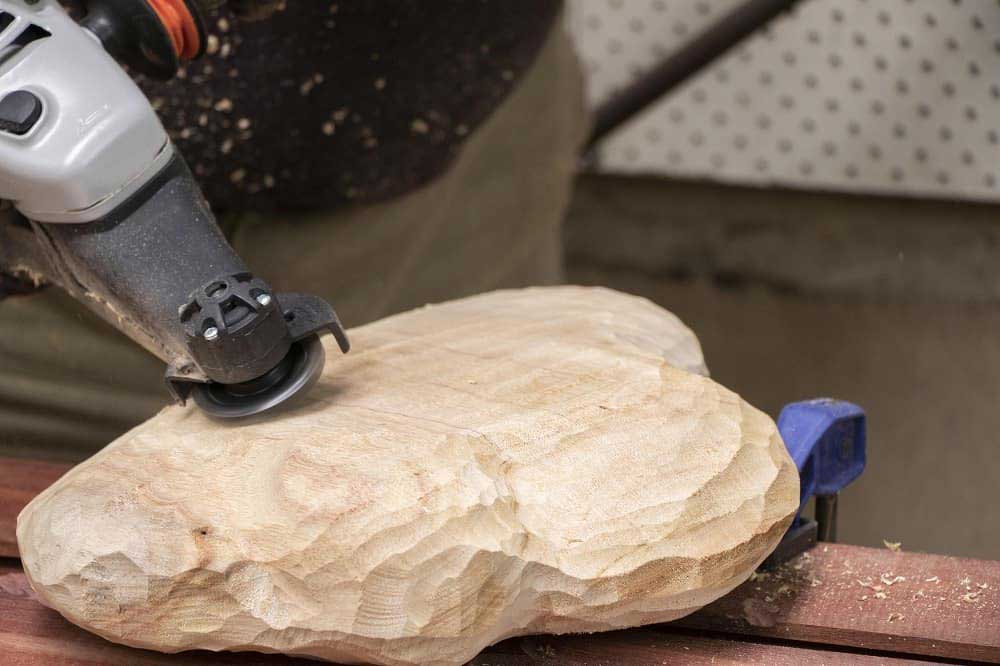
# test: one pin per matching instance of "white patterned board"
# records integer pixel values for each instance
(889, 96)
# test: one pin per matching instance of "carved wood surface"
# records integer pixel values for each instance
(516, 463)
(823, 598)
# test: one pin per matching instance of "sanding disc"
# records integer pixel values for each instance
(296, 373)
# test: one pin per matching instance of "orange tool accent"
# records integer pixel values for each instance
(180, 25)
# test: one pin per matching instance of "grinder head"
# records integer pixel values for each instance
(294, 374)
(257, 349)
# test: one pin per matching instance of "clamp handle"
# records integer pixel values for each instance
(826, 438)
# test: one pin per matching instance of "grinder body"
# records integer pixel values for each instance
(114, 217)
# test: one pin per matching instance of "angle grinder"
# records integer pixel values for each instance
(110, 212)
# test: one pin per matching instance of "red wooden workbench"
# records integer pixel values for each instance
(836, 604)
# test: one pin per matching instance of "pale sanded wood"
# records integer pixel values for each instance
(521, 462)
(31, 635)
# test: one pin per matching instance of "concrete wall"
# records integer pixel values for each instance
(890, 303)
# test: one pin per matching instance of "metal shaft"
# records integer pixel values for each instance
(826, 518)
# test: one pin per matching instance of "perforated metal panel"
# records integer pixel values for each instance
(896, 96)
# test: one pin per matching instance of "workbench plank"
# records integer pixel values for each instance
(32, 635)
(870, 598)
(638, 646)
(20, 481)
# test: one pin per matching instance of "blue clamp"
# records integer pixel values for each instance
(826, 439)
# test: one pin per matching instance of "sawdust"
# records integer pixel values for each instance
(889, 579)
(880, 588)
(899, 599)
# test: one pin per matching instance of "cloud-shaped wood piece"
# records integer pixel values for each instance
(545, 460)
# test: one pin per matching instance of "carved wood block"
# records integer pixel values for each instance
(546, 460)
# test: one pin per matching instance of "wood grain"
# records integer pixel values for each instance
(860, 598)
(546, 460)
(20, 481)
(32, 635)
(869, 598)
(832, 611)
